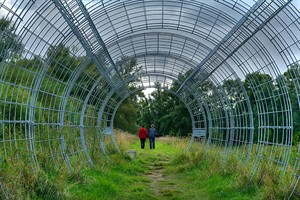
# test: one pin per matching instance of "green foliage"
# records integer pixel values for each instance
(171, 117)
(127, 67)
(10, 45)
(19, 182)
(63, 64)
(233, 91)
(162, 173)
(126, 116)
(167, 112)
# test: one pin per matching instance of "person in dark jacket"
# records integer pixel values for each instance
(143, 135)
(151, 134)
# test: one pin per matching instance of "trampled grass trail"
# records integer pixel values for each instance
(162, 184)
(172, 176)
(162, 173)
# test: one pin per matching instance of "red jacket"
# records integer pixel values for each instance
(143, 133)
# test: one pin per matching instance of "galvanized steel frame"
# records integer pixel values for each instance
(221, 42)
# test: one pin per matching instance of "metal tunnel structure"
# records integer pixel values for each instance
(60, 84)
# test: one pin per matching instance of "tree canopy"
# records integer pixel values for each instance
(167, 112)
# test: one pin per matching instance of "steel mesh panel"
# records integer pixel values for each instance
(60, 85)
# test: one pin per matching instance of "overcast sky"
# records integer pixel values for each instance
(10, 3)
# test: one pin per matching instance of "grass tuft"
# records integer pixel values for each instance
(166, 172)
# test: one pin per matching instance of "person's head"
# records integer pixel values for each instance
(152, 125)
(143, 126)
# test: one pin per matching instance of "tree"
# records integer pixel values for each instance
(127, 115)
(62, 63)
(292, 79)
(232, 89)
(166, 111)
(10, 44)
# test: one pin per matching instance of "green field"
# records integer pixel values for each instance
(166, 172)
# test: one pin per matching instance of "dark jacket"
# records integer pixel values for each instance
(152, 132)
(143, 133)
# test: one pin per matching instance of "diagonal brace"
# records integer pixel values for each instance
(246, 27)
(84, 29)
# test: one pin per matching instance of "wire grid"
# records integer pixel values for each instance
(296, 177)
(60, 86)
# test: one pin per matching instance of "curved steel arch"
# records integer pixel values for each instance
(190, 109)
(232, 135)
(223, 42)
(133, 16)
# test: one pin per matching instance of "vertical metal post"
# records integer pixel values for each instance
(82, 120)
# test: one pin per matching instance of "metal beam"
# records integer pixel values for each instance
(92, 47)
(246, 28)
(99, 120)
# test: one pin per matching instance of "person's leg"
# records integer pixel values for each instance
(153, 143)
(143, 143)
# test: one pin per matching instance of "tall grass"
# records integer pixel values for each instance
(267, 183)
(19, 182)
(199, 174)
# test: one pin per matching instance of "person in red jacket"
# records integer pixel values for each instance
(143, 134)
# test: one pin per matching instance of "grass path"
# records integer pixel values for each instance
(172, 178)
(159, 174)
(162, 184)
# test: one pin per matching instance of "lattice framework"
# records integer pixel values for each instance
(55, 105)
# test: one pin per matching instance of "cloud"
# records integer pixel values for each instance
(5, 6)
